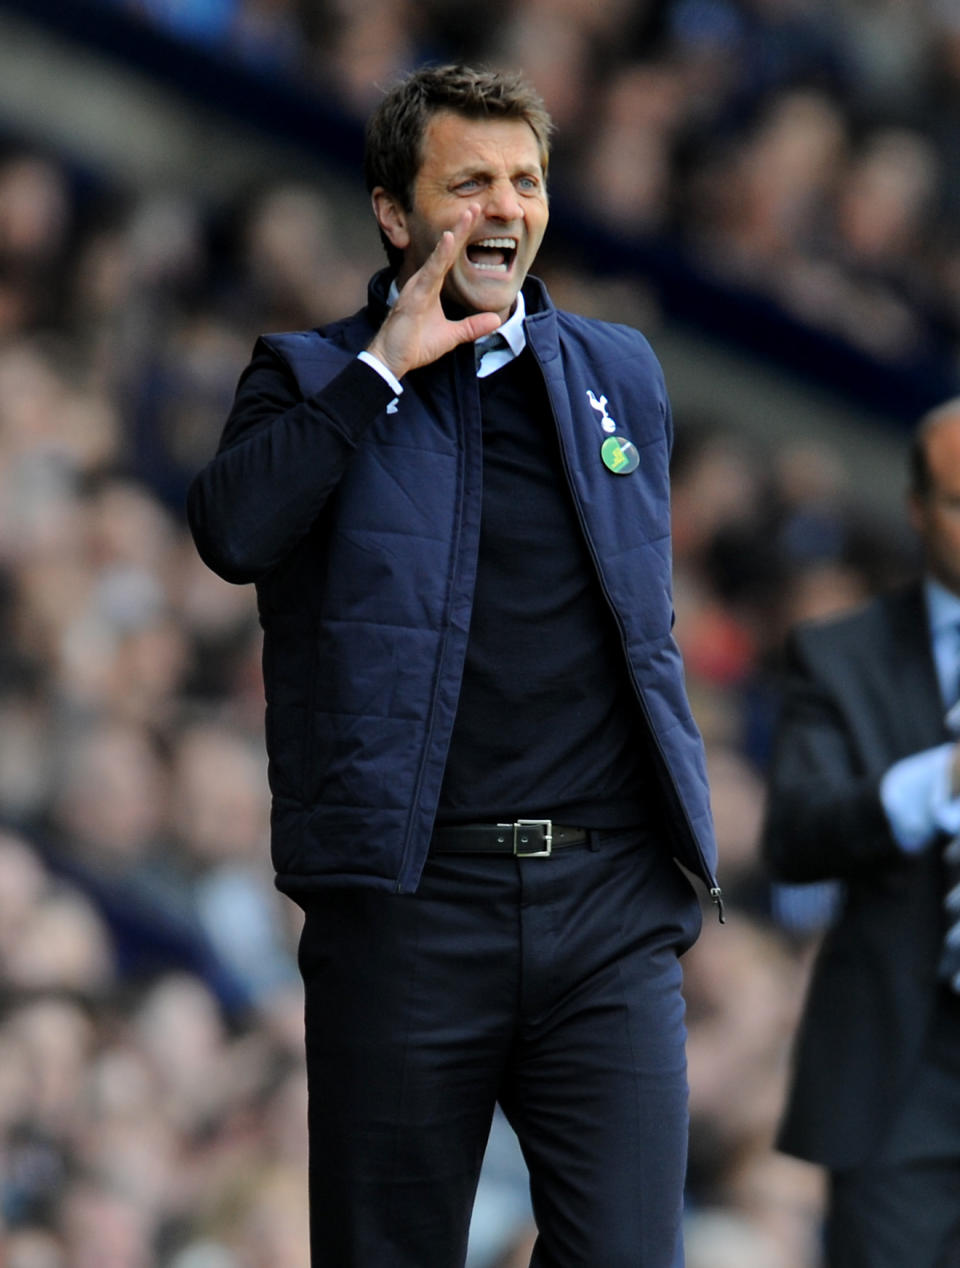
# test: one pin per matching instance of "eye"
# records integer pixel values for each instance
(527, 184)
(467, 186)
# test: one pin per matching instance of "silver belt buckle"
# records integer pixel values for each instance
(521, 838)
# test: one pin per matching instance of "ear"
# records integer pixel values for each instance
(391, 218)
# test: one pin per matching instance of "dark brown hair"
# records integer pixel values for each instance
(395, 129)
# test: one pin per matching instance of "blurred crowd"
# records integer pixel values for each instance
(802, 148)
(152, 1096)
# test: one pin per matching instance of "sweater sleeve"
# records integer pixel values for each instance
(280, 457)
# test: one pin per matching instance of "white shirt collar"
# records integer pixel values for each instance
(512, 329)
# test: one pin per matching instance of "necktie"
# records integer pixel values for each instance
(491, 352)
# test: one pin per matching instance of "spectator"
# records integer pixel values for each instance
(862, 791)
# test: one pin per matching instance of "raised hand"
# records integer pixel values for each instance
(416, 330)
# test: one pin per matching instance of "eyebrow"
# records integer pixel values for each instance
(524, 170)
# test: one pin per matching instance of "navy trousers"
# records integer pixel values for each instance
(550, 985)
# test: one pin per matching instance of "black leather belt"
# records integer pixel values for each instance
(527, 838)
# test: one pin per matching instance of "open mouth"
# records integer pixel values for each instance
(494, 255)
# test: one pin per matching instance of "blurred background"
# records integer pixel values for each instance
(767, 188)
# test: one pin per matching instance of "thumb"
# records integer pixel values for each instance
(474, 327)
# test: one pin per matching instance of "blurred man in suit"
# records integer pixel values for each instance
(864, 790)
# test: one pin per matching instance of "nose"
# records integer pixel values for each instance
(502, 201)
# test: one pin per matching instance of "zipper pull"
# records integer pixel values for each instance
(716, 897)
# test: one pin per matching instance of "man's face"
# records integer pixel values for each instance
(936, 517)
(493, 164)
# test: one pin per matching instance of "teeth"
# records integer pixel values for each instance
(495, 244)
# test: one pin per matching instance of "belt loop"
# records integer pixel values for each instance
(593, 840)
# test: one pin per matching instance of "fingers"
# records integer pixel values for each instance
(450, 242)
(461, 230)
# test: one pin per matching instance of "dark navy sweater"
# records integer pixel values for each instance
(547, 723)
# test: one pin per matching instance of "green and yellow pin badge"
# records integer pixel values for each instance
(619, 455)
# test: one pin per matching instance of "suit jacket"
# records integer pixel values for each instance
(861, 693)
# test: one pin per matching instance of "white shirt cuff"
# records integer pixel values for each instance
(385, 373)
(915, 794)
